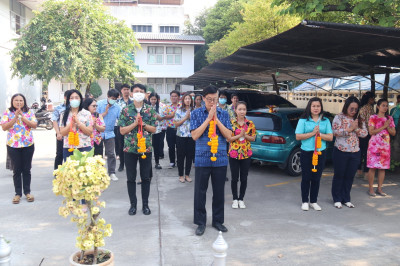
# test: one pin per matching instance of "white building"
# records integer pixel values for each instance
(166, 55)
(14, 15)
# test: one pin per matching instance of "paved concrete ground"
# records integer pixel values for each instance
(271, 231)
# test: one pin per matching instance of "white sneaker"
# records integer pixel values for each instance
(305, 206)
(235, 204)
(241, 204)
(113, 177)
(315, 206)
(338, 205)
(349, 204)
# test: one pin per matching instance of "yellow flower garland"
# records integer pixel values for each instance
(213, 143)
(141, 145)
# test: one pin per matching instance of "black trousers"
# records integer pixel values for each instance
(310, 180)
(158, 145)
(171, 141)
(344, 167)
(202, 175)
(185, 148)
(22, 161)
(119, 145)
(59, 153)
(239, 168)
(98, 149)
(363, 153)
(145, 174)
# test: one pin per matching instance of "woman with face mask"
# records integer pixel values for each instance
(243, 132)
(99, 126)
(77, 119)
(18, 120)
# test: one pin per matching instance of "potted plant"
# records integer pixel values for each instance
(82, 178)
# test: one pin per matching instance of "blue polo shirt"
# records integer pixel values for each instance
(203, 153)
(57, 112)
(110, 119)
(306, 126)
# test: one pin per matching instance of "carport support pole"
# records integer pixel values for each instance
(386, 85)
(276, 88)
(372, 74)
(5, 252)
(220, 247)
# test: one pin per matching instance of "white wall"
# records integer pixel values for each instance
(8, 85)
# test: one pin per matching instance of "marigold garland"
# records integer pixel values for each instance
(318, 145)
(141, 139)
(73, 138)
(213, 143)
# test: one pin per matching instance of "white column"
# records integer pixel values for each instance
(5, 252)
(220, 247)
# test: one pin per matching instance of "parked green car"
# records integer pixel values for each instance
(276, 140)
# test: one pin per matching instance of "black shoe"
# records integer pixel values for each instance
(132, 210)
(158, 166)
(226, 179)
(146, 210)
(200, 230)
(220, 227)
(121, 168)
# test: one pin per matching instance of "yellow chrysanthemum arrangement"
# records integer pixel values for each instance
(213, 143)
(84, 177)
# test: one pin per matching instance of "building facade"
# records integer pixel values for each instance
(14, 15)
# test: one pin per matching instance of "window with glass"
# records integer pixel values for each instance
(17, 16)
(156, 84)
(142, 28)
(155, 55)
(171, 84)
(169, 29)
(174, 55)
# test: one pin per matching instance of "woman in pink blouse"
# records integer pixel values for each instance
(347, 128)
(380, 126)
(18, 120)
(99, 126)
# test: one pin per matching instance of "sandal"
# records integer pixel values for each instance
(181, 179)
(188, 179)
(349, 204)
(30, 198)
(16, 199)
(383, 194)
(371, 194)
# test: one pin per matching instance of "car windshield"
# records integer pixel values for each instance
(265, 122)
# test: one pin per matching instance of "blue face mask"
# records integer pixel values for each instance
(222, 100)
(75, 103)
(111, 101)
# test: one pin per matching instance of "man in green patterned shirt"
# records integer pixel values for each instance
(129, 123)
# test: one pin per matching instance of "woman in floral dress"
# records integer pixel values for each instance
(380, 126)
(99, 126)
(243, 132)
(184, 142)
(18, 120)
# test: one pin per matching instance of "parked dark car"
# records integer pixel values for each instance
(276, 139)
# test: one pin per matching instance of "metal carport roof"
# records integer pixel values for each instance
(309, 50)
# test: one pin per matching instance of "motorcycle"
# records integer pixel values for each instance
(43, 116)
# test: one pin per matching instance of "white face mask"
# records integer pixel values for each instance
(138, 97)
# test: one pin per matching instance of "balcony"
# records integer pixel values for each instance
(32, 4)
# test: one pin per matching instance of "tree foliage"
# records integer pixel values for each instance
(371, 12)
(77, 40)
(95, 90)
(260, 21)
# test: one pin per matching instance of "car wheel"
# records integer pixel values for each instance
(293, 166)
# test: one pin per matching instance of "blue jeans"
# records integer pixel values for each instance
(345, 166)
(66, 153)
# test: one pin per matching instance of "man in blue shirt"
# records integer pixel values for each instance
(110, 112)
(56, 121)
(199, 126)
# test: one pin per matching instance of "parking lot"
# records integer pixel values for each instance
(272, 230)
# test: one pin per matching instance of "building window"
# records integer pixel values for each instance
(155, 55)
(142, 28)
(17, 16)
(174, 55)
(169, 29)
(171, 84)
(157, 84)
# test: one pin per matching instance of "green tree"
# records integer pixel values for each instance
(260, 21)
(95, 90)
(77, 40)
(371, 12)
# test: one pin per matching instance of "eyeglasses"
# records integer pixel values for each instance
(211, 100)
(353, 109)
